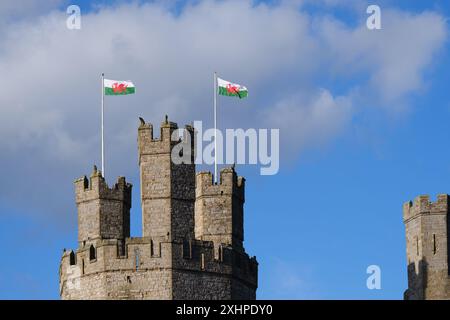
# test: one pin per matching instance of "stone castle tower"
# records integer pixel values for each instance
(193, 232)
(427, 233)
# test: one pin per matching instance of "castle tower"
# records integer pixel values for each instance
(427, 225)
(103, 212)
(167, 189)
(219, 209)
(170, 261)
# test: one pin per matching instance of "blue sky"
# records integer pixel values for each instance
(363, 129)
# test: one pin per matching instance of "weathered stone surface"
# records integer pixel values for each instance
(103, 212)
(427, 251)
(192, 233)
(219, 208)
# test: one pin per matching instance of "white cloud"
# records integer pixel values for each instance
(309, 119)
(49, 103)
(393, 59)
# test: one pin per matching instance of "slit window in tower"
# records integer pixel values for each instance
(220, 253)
(434, 244)
(72, 261)
(202, 261)
(92, 253)
(136, 253)
(417, 245)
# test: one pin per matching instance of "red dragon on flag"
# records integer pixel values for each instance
(119, 88)
(232, 89)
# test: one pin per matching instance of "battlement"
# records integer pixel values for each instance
(148, 144)
(103, 212)
(422, 205)
(144, 254)
(97, 188)
(229, 183)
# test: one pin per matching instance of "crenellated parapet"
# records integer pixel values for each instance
(97, 188)
(423, 205)
(149, 145)
(143, 253)
(229, 183)
(144, 256)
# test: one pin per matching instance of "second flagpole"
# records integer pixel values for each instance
(215, 127)
(103, 111)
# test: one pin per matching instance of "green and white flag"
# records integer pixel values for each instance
(230, 89)
(115, 88)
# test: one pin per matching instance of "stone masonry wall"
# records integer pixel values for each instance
(426, 226)
(161, 272)
(103, 212)
(167, 190)
(219, 208)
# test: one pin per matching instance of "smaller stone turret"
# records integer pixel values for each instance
(219, 209)
(103, 212)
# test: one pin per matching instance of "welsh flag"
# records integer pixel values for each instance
(230, 89)
(115, 88)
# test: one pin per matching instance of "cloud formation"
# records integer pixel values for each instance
(393, 59)
(287, 57)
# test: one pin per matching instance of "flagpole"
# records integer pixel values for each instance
(215, 127)
(103, 111)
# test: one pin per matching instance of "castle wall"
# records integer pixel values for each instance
(200, 274)
(135, 275)
(242, 291)
(183, 200)
(122, 285)
(150, 270)
(201, 286)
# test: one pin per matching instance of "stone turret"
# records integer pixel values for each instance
(427, 225)
(167, 189)
(219, 208)
(103, 212)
